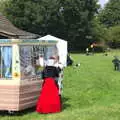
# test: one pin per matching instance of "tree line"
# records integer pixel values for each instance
(80, 22)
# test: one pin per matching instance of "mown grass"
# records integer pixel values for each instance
(91, 92)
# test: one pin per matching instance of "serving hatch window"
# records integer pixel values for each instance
(6, 62)
(31, 60)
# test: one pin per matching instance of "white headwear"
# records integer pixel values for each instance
(50, 62)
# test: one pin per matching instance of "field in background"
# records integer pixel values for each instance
(91, 92)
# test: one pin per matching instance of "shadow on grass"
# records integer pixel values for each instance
(17, 113)
(65, 105)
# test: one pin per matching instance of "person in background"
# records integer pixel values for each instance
(69, 60)
(87, 51)
(60, 78)
(49, 99)
(116, 63)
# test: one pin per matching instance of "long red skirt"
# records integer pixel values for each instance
(49, 100)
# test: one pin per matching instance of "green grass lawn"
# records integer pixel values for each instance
(91, 92)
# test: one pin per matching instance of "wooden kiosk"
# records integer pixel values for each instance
(20, 72)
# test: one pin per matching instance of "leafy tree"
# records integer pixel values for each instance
(98, 31)
(110, 15)
(114, 37)
(68, 19)
(2, 5)
(29, 15)
(110, 18)
(78, 15)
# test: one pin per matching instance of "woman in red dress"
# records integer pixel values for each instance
(49, 100)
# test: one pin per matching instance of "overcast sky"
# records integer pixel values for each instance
(102, 2)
